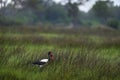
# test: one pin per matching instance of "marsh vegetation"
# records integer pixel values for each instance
(80, 54)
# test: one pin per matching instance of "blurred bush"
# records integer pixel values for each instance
(113, 23)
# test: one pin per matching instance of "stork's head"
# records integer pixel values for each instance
(50, 56)
(49, 53)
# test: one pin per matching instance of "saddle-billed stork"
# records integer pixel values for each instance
(42, 62)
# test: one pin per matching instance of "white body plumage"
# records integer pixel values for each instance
(43, 61)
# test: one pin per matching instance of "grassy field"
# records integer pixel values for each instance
(80, 54)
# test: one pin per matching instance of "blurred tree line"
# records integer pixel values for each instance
(31, 12)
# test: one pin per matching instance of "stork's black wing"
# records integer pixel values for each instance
(39, 63)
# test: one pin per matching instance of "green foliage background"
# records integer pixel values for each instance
(47, 11)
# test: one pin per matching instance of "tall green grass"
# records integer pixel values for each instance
(78, 56)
